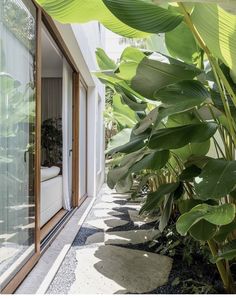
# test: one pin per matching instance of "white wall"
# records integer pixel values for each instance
(82, 41)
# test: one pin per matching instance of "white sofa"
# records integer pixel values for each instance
(51, 193)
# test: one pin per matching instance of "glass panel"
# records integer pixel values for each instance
(17, 128)
(82, 142)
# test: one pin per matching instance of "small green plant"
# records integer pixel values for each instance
(51, 140)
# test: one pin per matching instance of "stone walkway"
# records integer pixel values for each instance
(110, 254)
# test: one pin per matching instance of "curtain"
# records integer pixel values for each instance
(51, 98)
(67, 134)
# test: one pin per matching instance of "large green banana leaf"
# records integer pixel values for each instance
(228, 5)
(144, 15)
(218, 215)
(125, 116)
(149, 74)
(218, 30)
(216, 26)
(181, 44)
(216, 180)
(119, 16)
(177, 137)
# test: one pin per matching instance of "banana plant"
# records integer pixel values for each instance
(169, 146)
(185, 137)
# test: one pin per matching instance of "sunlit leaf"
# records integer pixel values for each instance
(217, 179)
(217, 29)
(217, 215)
(144, 15)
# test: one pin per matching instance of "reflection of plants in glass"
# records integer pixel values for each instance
(17, 115)
(19, 21)
(51, 141)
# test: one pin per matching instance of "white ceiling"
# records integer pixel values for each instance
(51, 57)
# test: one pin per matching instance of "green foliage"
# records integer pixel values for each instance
(155, 199)
(51, 141)
(224, 232)
(216, 180)
(104, 62)
(177, 137)
(174, 139)
(153, 161)
(134, 142)
(181, 44)
(172, 111)
(180, 97)
(163, 20)
(148, 75)
(217, 215)
(81, 11)
(228, 252)
(217, 29)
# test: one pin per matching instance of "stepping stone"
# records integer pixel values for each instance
(95, 238)
(106, 224)
(106, 198)
(136, 218)
(105, 213)
(109, 198)
(122, 237)
(130, 237)
(113, 270)
(106, 205)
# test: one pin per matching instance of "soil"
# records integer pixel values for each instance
(196, 278)
(199, 277)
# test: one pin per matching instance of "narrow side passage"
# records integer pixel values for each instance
(110, 254)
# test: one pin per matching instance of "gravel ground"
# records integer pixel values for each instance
(196, 278)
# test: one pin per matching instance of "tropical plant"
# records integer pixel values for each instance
(51, 141)
(169, 144)
(184, 140)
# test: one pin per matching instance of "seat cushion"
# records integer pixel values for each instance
(48, 173)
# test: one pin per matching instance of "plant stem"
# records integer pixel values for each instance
(225, 276)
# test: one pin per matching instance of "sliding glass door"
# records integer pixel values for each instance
(17, 135)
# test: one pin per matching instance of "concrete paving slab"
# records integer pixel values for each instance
(95, 238)
(112, 269)
(130, 237)
(104, 213)
(106, 223)
(110, 253)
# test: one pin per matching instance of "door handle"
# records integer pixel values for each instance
(26, 151)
